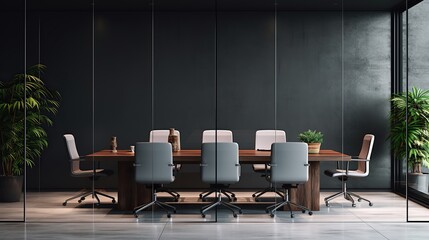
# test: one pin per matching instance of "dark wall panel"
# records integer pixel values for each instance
(309, 87)
(367, 90)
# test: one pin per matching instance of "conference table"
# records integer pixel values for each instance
(131, 194)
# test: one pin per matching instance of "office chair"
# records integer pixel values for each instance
(209, 136)
(362, 171)
(92, 174)
(220, 167)
(289, 166)
(154, 166)
(263, 141)
(162, 136)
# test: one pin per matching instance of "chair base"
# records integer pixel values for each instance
(258, 194)
(219, 202)
(230, 195)
(94, 194)
(347, 196)
(155, 202)
(289, 204)
(174, 194)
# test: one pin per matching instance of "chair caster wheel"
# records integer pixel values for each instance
(310, 213)
(239, 211)
(178, 195)
(234, 199)
(359, 199)
(271, 215)
(353, 205)
(79, 201)
(135, 215)
(113, 201)
(253, 195)
(292, 216)
(233, 195)
(201, 196)
(174, 211)
(235, 215)
(267, 211)
(203, 215)
(370, 204)
(82, 198)
(64, 203)
(327, 204)
(303, 211)
(168, 215)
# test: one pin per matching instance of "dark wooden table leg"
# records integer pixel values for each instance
(308, 194)
(130, 194)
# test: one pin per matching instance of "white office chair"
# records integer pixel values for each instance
(162, 136)
(220, 167)
(222, 136)
(210, 136)
(263, 141)
(362, 171)
(76, 171)
(154, 166)
(289, 166)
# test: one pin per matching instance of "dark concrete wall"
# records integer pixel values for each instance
(342, 92)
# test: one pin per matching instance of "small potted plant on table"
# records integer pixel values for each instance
(313, 138)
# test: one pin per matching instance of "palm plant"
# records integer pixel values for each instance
(25, 105)
(411, 114)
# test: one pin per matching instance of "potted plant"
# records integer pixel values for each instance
(26, 105)
(416, 123)
(313, 138)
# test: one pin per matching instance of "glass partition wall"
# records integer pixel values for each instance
(12, 116)
(415, 165)
(129, 72)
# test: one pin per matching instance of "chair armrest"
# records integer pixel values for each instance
(80, 159)
(239, 168)
(359, 160)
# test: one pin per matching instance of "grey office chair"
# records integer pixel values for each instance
(289, 166)
(162, 136)
(75, 171)
(220, 167)
(362, 171)
(210, 136)
(263, 141)
(154, 166)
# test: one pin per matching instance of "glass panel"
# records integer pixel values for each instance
(184, 97)
(367, 84)
(123, 103)
(246, 97)
(12, 116)
(60, 37)
(418, 87)
(309, 94)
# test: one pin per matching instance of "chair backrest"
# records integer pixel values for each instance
(222, 136)
(154, 163)
(72, 153)
(365, 153)
(162, 136)
(223, 157)
(289, 162)
(264, 138)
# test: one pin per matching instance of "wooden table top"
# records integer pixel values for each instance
(246, 156)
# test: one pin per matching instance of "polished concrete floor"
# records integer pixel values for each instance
(48, 219)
